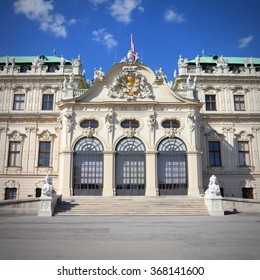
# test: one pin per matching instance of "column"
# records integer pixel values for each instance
(151, 174)
(195, 187)
(65, 171)
(109, 174)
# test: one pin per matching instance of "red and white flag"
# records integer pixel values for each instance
(132, 44)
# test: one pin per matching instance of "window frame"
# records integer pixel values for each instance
(210, 102)
(14, 156)
(19, 102)
(90, 123)
(46, 154)
(128, 123)
(215, 152)
(238, 104)
(245, 163)
(47, 102)
(171, 122)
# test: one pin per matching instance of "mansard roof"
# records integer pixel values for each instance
(29, 59)
(230, 59)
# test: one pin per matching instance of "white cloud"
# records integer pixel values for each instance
(96, 3)
(243, 42)
(122, 10)
(42, 12)
(104, 37)
(171, 16)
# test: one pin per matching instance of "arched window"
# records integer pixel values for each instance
(172, 167)
(130, 167)
(88, 167)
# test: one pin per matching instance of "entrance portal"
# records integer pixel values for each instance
(172, 167)
(130, 167)
(88, 167)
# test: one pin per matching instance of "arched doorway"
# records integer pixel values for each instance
(88, 167)
(172, 167)
(130, 167)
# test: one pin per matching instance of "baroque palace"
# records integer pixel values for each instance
(129, 131)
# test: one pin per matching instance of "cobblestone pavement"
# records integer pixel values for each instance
(232, 237)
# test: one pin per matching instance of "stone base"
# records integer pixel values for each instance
(214, 205)
(47, 205)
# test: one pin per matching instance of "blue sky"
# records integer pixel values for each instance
(99, 30)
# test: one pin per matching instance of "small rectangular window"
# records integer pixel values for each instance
(243, 150)
(214, 153)
(18, 102)
(14, 156)
(210, 102)
(239, 102)
(44, 154)
(47, 102)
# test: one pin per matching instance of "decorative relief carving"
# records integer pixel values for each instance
(46, 136)
(68, 121)
(244, 136)
(16, 136)
(109, 120)
(129, 132)
(12, 184)
(130, 84)
(151, 120)
(88, 132)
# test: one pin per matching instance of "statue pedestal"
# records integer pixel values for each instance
(214, 204)
(47, 205)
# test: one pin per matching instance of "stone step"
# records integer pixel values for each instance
(131, 206)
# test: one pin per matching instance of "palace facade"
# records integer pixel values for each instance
(129, 132)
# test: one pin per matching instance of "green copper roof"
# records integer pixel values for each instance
(29, 59)
(231, 60)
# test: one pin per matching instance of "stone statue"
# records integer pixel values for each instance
(47, 188)
(99, 74)
(62, 61)
(197, 60)
(160, 74)
(151, 121)
(13, 61)
(213, 187)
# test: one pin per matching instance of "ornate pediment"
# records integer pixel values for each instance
(130, 84)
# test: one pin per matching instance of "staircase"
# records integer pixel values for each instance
(131, 205)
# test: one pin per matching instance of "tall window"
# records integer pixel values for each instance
(47, 102)
(18, 102)
(14, 157)
(214, 153)
(210, 102)
(239, 102)
(243, 150)
(172, 167)
(44, 154)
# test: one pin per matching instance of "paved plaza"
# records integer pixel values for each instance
(232, 237)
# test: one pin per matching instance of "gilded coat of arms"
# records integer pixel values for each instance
(130, 84)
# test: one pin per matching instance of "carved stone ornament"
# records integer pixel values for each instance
(109, 119)
(129, 132)
(151, 120)
(46, 136)
(244, 136)
(16, 136)
(130, 84)
(171, 132)
(89, 132)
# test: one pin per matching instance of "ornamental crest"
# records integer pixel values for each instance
(130, 84)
